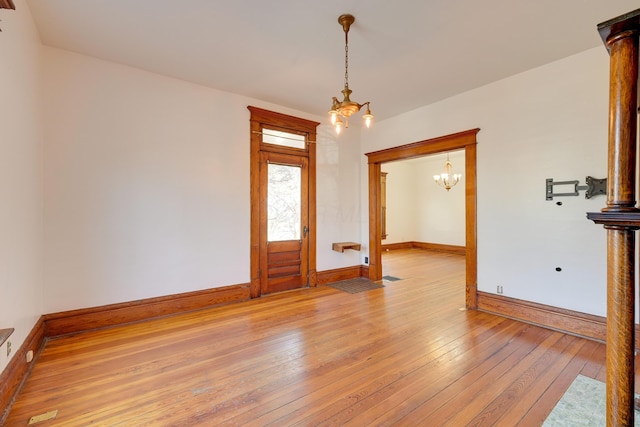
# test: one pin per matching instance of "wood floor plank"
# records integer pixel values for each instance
(405, 354)
(450, 379)
(358, 388)
(536, 378)
(544, 399)
(471, 392)
(376, 361)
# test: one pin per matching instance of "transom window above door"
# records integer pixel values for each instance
(284, 139)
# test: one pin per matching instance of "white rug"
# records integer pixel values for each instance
(583, 404)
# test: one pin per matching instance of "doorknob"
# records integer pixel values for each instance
(305, 230)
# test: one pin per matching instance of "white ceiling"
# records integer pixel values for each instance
(402, 54)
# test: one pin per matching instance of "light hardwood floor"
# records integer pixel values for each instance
(402, 355)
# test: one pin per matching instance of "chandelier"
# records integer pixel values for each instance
(341, 111)
(447, 178)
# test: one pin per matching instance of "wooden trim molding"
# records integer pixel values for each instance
(337, 274)
(364, 271)
(74, 321)
(568, 321)
(396, 246)
(17, 371)
(7, 4)
(436, 247)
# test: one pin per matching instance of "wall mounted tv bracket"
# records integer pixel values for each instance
(594, 187)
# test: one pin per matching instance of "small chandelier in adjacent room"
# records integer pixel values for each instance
(341, 111)
(447, 178)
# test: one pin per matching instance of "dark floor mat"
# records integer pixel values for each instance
(353, 286)
(390, 278)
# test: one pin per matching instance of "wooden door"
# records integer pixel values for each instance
(284, 222)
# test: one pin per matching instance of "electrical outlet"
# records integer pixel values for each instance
(8, 348)
(499, 290)
(366, 260)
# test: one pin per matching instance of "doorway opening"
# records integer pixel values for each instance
(459, 141)
(423, 223)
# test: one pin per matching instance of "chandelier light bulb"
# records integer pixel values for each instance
(338, 125)
(368, 117)
(334, 115)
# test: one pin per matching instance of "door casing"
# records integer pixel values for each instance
(259, 120)
(462, 140)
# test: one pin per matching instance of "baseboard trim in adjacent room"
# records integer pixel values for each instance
(563, 320)
(75, 321)
(17, 371)
(436, 247)
(396, 246)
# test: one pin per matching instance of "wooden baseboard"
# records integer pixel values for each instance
(364, 271)
(69, 322)
(16, 372)
(437, 247)
(75, 321)
(337, 274)
(568, 321)
(396, 246)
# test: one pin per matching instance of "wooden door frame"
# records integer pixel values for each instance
(291, 160)
(462, 140)
(260, 118)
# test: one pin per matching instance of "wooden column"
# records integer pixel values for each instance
(620, 217)
(620, 321)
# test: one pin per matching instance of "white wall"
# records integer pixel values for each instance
(147, 185)
(550, 122)
(418, 209)
(402, 211)
(442, 212)
(339, 217)
(20, 178)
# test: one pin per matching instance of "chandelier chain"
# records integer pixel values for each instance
(346, 59)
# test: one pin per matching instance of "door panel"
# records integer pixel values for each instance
(284, 222)
(284, 258)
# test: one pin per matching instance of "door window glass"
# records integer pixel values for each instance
(283, 202)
